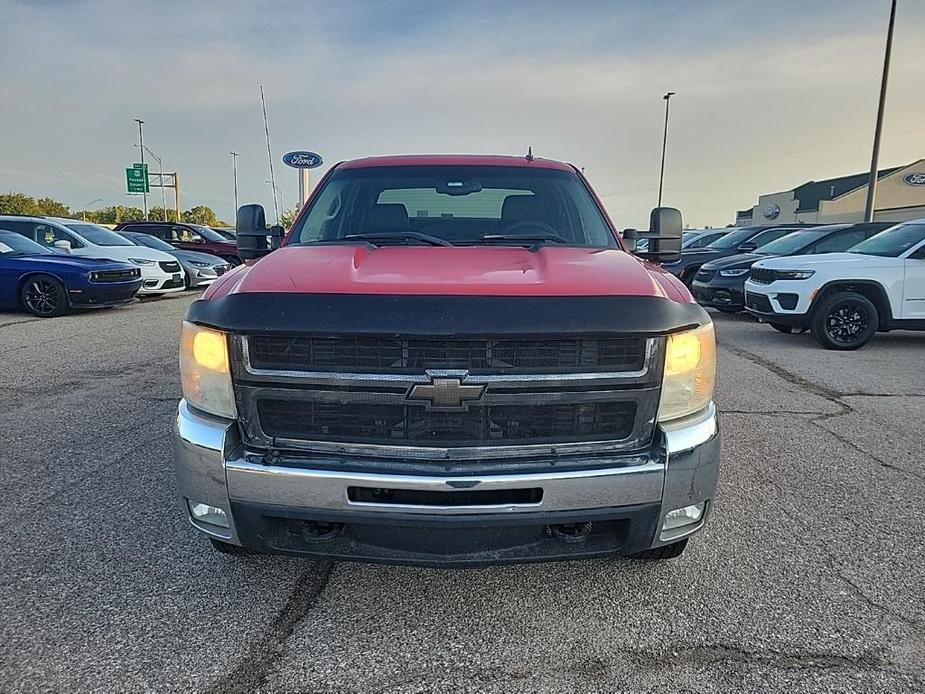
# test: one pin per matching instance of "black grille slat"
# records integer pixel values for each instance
(169, 266)
(758, 302)
(705, 275)
(762, 275)
(116, 275)
(390, 355)
(412, 425)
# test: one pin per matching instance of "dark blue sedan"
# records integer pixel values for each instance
(46, 283)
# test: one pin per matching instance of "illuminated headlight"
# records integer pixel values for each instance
(141, 261)
(734, 273)
(793, 274)
(204, 370)
(690, 373)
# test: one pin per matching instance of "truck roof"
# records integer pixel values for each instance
(455, 160)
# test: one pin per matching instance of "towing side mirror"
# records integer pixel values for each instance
(664, 237)
(630, 238)
(254, 239)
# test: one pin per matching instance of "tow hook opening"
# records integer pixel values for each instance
(321, 530)
(571, 532)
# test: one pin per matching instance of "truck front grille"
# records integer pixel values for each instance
(762, 275)
(396, 355)
(169, 266)
(411, 425)
(433, 398)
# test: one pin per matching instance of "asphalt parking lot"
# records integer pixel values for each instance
(810, 577)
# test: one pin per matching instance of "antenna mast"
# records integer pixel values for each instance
(266, 127)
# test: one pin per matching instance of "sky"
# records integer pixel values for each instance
(769, 94)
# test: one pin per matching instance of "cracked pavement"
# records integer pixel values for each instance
(809, 577)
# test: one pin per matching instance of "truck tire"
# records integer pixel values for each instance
(844, 321)
(228, 548)
(44, 296)
(659, 553)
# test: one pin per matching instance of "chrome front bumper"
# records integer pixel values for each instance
(213, 468)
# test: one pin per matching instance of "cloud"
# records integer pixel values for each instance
(768, 96)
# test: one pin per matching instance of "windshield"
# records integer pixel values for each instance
(208, 233)
(99, 236)
(12, 243)
(732, 239)
(791, 243)
(459, 205)
(892, 242)
(150, 242)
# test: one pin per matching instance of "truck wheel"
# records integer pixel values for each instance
(228, 548)
(780, 327)
(844, 321)
(667, 552)
(44, 296)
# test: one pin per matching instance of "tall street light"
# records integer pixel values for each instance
(875, 155)
(87, 204)
(141, 146)
(234, 167)
(661, 176)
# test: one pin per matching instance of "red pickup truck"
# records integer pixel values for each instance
(449, 361)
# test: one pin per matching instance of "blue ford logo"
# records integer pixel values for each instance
(771, 211)
(302, 160)
(915, 179)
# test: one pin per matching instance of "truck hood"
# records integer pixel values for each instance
(414, 270)
(818, 260)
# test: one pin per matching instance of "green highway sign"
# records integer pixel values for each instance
(136, 179)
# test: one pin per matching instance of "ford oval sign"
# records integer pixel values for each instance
(302, 160)
(915, 179)
(772, 211)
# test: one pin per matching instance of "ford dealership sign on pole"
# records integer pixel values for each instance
(303, 161)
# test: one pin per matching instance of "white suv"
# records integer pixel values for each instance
(160, 271)
(844, 298)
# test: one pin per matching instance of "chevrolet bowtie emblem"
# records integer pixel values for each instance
(446, 393)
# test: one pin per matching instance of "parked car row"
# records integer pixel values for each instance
(49, 265)
(843, 282)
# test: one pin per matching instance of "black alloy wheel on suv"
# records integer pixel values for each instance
(844, 321)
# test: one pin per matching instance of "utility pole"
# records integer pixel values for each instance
(661, 176)
(141, 147)
(160, 176)
(875, 155)
(234, 166)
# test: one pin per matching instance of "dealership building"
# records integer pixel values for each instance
(900, 196)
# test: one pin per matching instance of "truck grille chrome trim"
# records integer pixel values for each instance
(515, 414)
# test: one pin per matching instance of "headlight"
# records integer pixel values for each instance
(793, 274)
(690, 373)
(204, 370)
(199, 263)
(734, 273)
(141, 261)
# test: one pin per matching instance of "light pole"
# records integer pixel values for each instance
(160, 175)
(234, 167)
(661, 175)
(875, 155)
(83, 213)
(141, 146)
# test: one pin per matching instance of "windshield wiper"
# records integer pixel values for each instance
(534, 241)
(373, 237)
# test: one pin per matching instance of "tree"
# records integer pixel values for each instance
(288, 217)
(53, 208)
(201, 215)
(157, 213)
(18, 203)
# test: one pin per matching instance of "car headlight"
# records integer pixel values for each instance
(199, 263)
(690, 373)
(204, 370)
(793, 274)
(141, 261)
(734, 273)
